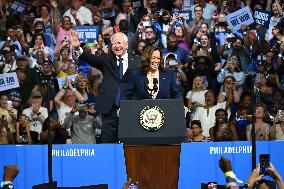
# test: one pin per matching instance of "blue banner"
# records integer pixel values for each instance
(262, 17)
(73, 165)
(199, 162)
(87, 34)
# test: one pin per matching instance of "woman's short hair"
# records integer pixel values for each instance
(146, 58)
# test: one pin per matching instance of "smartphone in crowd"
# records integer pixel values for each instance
(264, 161)
(9, 105)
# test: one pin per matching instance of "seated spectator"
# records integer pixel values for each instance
(262, 129)
(36, 114)
(222, 130)
(233, 68)
(23, 133)
(59, 135)
(196, 133)
(83, 126)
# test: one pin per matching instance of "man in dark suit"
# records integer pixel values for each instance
(116, 68)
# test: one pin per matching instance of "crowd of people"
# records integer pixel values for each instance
(145, 49)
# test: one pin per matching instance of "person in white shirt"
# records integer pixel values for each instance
(79, 14)
(206, 114)
(37, 115)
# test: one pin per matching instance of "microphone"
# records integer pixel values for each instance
(155, 83)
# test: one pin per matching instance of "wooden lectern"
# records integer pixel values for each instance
(153, 166)
(152, 156)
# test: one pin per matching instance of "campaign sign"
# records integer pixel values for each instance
(87, 34)
(186, 14)
(262, 17)
(17, 7)
(8, 81)
(199, 161)
(61, 80)
(240, 17)
(73, 165)
(137, 5)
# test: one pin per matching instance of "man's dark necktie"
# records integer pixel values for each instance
(117, 96)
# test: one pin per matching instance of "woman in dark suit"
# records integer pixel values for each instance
(152, 80)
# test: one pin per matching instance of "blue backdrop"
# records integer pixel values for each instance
(199, 161)
(73, 165)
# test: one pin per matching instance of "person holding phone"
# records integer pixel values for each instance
(23, 133)
(8, 117)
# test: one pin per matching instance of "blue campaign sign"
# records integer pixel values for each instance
(186, 14)
(17, 7)
(262, 17)
(87, 34)
(199, 161)
(73, 165)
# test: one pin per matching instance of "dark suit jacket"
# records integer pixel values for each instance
(135, 88)
(107, 63)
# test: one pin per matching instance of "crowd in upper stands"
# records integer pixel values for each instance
(229, 79)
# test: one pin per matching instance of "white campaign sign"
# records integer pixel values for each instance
(61, 80)
(240, 17)
(8, 81)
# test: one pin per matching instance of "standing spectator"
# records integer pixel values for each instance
(23, 133)
(79, 14)
(9, 62)
(277, 15)
(222, 130)
(83, 126)
(232, 68)
(65, 99)
(31, 82)
(172, 47)
(59, 135)
(196, 132)
(8, 116)
(37, 114)
(208, 9)
(45, 18)
(262, 129)
(206, 114)
(62, 32)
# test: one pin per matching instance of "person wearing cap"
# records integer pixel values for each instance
(32, 80)
(9, 63)
(37, 115)
(16, 100)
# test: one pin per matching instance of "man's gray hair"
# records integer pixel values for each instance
(119, 33)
